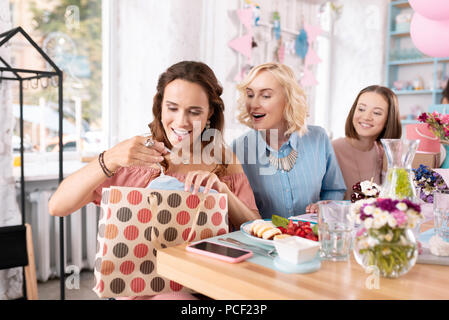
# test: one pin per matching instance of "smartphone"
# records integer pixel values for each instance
(219, 251)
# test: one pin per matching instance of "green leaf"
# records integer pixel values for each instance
(279, 221)
(315, 229)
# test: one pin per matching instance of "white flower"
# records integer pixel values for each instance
(368, 223)
(386, 251)
(372, 242)
(380, 220)
(363, 243)
(368, 210)
(401, 206)
(391, 221)
(377, 212)
(389, 236)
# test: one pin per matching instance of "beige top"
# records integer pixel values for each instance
(358, 165)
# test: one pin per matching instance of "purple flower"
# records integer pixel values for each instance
(423, 117)
(387, 204)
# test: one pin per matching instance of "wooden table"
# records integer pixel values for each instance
(335, 280)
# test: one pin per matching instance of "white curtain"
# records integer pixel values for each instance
(10, 279)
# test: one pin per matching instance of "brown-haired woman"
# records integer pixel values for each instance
(374, 115)
(186, 105)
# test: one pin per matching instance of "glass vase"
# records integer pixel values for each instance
(445, 164)
(393, 252)
(398, 182)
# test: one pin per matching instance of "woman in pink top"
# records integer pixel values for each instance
(373, 116)
(188, 113)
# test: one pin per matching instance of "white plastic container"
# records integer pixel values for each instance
(296, 250)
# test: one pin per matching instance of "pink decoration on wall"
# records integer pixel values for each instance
(242, 45)
(312, 32)
(239, 76)
(281, 52)
(246, 17)
(431, 37)
(311, 57)
(431, 9)
(308, 79)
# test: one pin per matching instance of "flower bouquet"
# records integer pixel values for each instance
(427, 181)
(438, 124)
(385, 238)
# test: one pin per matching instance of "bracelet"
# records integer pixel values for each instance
(106, 171)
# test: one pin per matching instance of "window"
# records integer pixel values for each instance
(323, 74)
(69, 32)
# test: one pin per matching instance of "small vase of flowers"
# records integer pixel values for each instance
(427, 181)
(385, 239)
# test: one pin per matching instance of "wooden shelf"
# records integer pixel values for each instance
(410, 61)
(405, 92)
(400, 34)
(401, 4)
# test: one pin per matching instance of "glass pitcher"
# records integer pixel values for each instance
(398, 183)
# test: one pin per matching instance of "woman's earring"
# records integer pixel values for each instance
(208, 125)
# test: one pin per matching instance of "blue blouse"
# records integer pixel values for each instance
(315, 176)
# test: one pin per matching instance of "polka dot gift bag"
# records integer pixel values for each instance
(136, 222)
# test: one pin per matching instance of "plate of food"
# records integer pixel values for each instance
(265, 231)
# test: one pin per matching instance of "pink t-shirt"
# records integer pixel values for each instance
(140, 177)
(356, 165)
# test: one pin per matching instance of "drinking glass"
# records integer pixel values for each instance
(441, 213)
(335, 230)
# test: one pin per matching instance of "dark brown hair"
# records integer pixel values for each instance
(201, 74)
(392, 128)
(445, 93)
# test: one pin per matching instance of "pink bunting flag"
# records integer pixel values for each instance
(281, 52)
(246, 17)
(242, 45)
(308, 79)
(311, 57)
(312, 32)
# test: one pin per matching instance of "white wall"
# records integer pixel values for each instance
(359, 55)
(147, 37)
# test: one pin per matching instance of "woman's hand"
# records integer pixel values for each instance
(196, 178)
(313, 207)
(133, 152)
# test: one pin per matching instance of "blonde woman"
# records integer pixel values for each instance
(289, 164)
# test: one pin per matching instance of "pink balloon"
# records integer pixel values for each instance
(431, 9)
(431, 37)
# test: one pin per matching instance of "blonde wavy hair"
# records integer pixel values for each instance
(295, 111)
